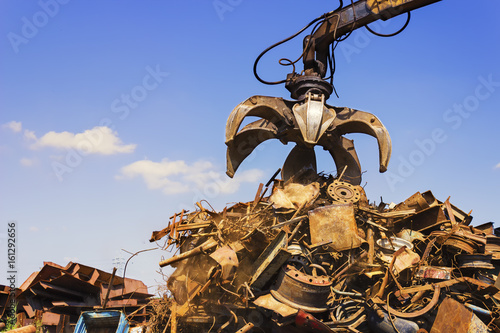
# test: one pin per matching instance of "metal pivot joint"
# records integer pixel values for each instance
(300, 85)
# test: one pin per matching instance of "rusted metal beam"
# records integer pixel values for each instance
(110, 286)
(448, 283)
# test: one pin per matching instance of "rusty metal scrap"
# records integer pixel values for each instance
(55, 296)
(455, 317)
(300, 290)
(25, 329)
(335, 226)
(435, 273)
(301, 260)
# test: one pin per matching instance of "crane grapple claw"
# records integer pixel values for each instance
(308, 125)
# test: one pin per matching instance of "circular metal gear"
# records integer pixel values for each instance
(343, 192)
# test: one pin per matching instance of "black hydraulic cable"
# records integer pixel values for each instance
(322, 18)
(277, 44)
(394, 33)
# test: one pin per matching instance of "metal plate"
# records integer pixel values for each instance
(455, 317)
(268, 263)
(334, 225)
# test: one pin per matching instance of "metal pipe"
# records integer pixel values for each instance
(346, 293)
(417, 296)
(173, 318)
(209, 244)
(245, 328)
(477, 309)
(294, 232)
(371, 245)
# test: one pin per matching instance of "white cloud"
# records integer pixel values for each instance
(173, 177)
(27, 162)
(497, 166)
(14, 126)
(98, 140)
(29, 135)
(157, 175)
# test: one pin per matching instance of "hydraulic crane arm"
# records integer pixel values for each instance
(309, 121)
(347, 19)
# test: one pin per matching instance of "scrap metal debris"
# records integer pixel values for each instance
(56, 295)
(316, 256)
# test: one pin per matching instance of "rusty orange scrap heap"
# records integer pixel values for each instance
(317, 256)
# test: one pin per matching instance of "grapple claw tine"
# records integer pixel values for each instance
(354, 121)
(273, 109)
(346, 159)
(244, 143)
(299, 160)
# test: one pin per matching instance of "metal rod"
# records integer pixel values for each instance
(477, 309)
(110, 285)
(346, 293)
(209, 244)
(245, 328)
(371, 245)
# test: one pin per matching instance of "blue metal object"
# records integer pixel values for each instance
(113, 321)
(384, 325)
(477, 309)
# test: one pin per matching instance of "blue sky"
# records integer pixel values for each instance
(113, 114)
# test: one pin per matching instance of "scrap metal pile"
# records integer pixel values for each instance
(56, 295)
(317, 256)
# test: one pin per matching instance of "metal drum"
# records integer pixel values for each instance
(301, 291)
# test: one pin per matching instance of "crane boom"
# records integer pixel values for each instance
(350, 18)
